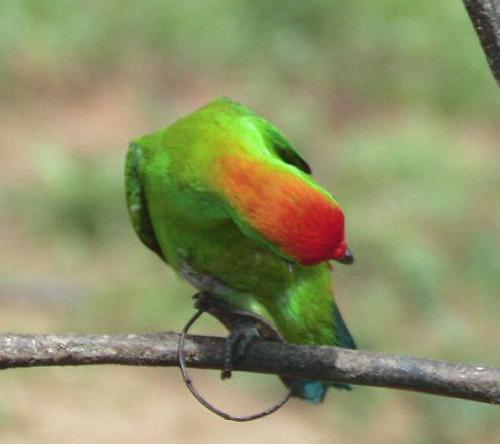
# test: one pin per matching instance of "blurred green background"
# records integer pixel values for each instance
(393, 105)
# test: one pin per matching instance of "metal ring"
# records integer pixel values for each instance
(203, 401)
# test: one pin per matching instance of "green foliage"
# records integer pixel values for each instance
(423, 52)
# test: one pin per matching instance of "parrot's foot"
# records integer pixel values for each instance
(243, 327)
(236, 345)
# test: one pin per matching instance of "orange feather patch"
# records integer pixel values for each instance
(306, 224)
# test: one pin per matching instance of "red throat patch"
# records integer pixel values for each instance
(306, 224)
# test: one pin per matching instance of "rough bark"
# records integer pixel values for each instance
(474, 382)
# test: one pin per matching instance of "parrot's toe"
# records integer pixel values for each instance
(236, 345)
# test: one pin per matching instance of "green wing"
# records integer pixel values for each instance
(136, 199)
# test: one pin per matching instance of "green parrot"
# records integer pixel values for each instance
(225, 200)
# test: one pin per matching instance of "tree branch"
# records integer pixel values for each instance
(485, 16)
(472, 382)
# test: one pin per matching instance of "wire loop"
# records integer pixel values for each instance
(203, 401)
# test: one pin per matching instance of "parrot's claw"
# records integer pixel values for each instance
(236, 345)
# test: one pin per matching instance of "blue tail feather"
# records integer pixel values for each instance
(312, 391)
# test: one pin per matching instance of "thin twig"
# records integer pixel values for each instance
(472, 382)
(485, 16)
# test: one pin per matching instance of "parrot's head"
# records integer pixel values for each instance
(296, 217)
(316, 230)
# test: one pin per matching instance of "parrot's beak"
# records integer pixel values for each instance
(347, 259)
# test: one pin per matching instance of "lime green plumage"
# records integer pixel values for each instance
(180, 213)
